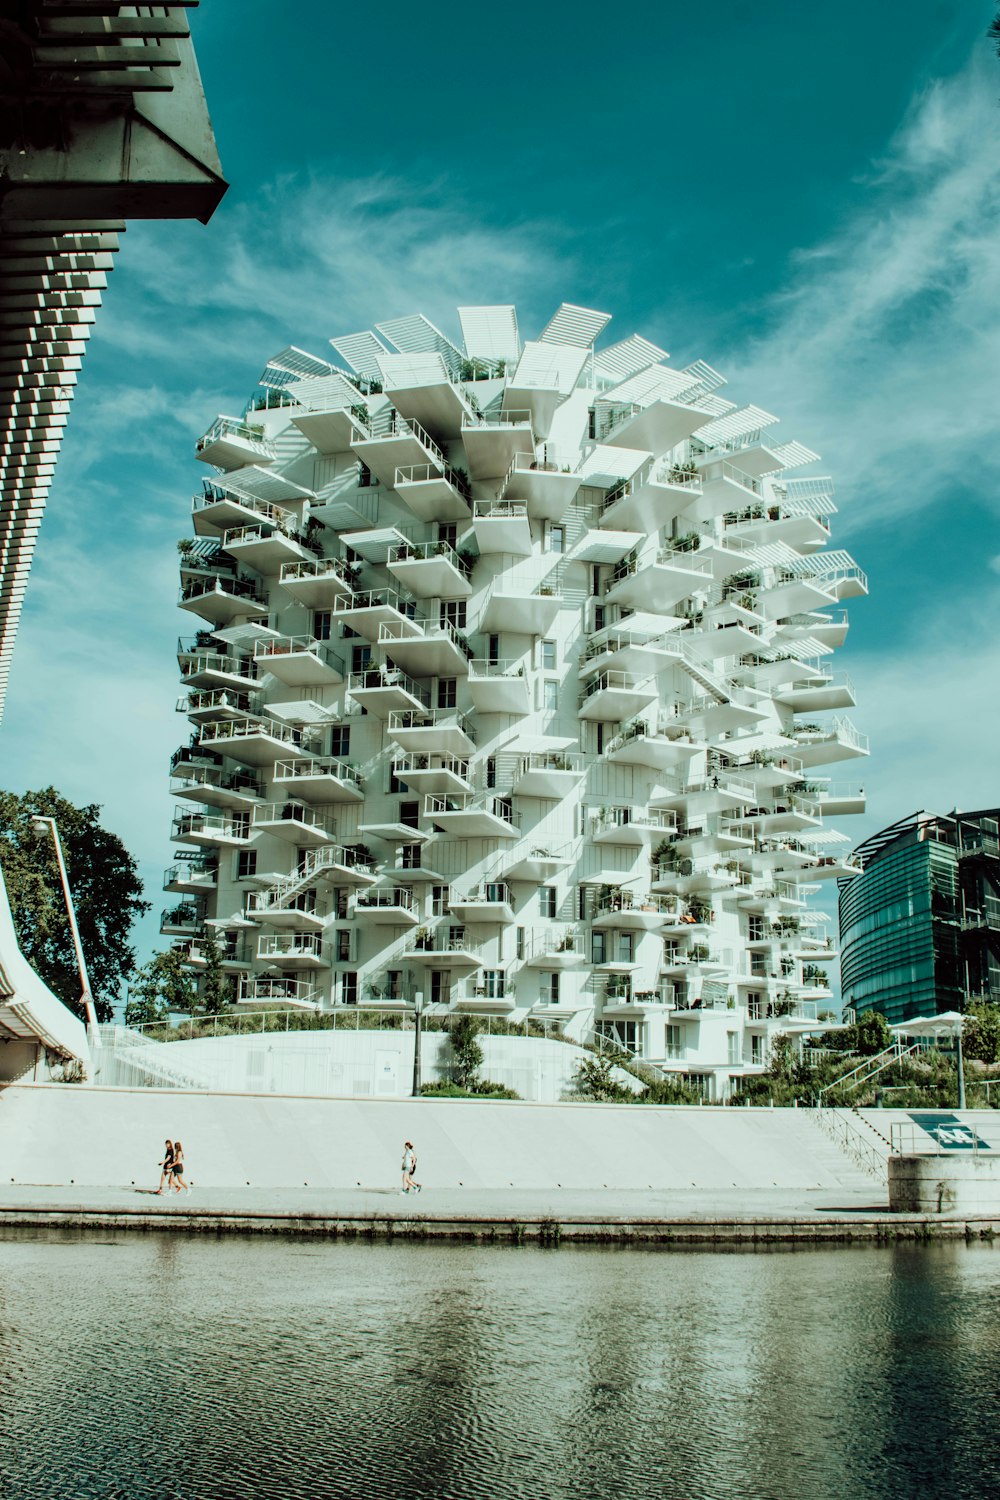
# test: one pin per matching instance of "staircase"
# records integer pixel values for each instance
(871, 1067)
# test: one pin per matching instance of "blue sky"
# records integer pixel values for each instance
(805, 196)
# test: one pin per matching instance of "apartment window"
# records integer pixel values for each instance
(340, 903)
(342, 938)
(454, 612)
(246, 864)
(340, 741)
(520, 942)
(440, 986)
(757, 1049)
(557, 539)
(493, 650)
(733, 1051)
(548, 656)
(494, 984)
(672, 1038)
(448, 532)
(548, 986)
(550, 694)
(349, 988)
(491, 771)
(322, 624)
(598, 947)
(600, 616)
(410, 859)
(592, 422)
(581, 902)
(364, 476)
(547, 900)
(595, 589)
(439, 896)
(599, 739)
(361, 657)
(409, 813)
(447, 692)
(625, 948)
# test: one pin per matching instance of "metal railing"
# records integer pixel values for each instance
(372, 678)
(298, 645)
(310, 767)
(437, 718)
(247, 432)
(292, 572)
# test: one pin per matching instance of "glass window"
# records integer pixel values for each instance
(360, 657)
(598, 947)
(246, 864)
(550, 693)
(322, 624)
(454, 612)
(548, 656)
(343, 940)
(448, 532)
(557, 538)
(447, 692)
(547, 900)
(340, 741)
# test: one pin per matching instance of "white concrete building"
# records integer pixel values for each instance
(510, 683)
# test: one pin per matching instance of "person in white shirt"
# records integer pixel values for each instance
(409, 1167)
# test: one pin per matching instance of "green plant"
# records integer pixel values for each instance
(981, 1032)
(466, 1053)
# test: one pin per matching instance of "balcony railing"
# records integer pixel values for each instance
(298, 645)
(293, 812)
(245, 729)
(215, 494)
(291, 572)
(227, 827)
(247, 432)
(214, 777)
(481, 666)
(425, 551)
(373, 599)
(465, 803)
(398, 899)
(403, 765)
(438, 718)
(237, 588)
(308, 767)
(387, 677)
(551, 760)
(269, 991)
(193, 664)
(622, 900)
(624, 681)
(218, 701)
(621, 817)
(290, 944)
(425, 473)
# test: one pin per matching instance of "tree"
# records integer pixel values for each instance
(872, 1034)
(465, 1050)
(216, 987)
(981, 1031)
(107, 895)
(161, 985)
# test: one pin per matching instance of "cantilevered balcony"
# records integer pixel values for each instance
(840, 799)
(548, 489)
(381, 908)
(658, 581)
(466, 817)
(185, 920)
(214, 669)
(293, 950)
(211, 830)
(262, 547)
(720, 791)
(489, 903)
(539, 863)
(493, 442)
(498, 687)
(787, 813)
(433, 491)
(612, 696)
(440, 731)
(294, 823)
(555, 948)
(685, 874)
(222, 599)
(431, 570)
(634, 826)
(548, 774)
(296, 994)
(515, 608)
(334, 429)
(625, 651)
(657, 425)
(395, 444)
(820, 745)
(230, 443)
(336, 864)
(205, 705)
(622, 908)
(211, 786)
(802, 524)
(472, 996)
(217, 510)
(724, 488)
(434, 649)
(643, 743)
(319, 779)
(650, 499)
(818, 692)
(422, 390)
(253, 742)
(317, 583)
(369, 609)
(502, 526)
(446, 947)
(835, 867)
(708, 715)
(383, 689)
(285, 913)
(299, 661)
(193, 874)
(432, 773)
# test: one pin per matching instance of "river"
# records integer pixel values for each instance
(162, 1366)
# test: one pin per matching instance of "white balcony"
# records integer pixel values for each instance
(318, 583)
(631, 826)
(492, 443)
(262, 547)
(817, 693)
(431, 570)
(426, 395)
(336, 428)
(642, 743)
(612, 696)
(294, 823)
(639, 654)
(185, 920)
(253, 742)
(432, 773)
(650, 499)
(191, 878)
(548, 489)
(724, 487)
(433, 492)
(502, 526)
(230, 443)
(299, 661)
(820, 745)
(290, 914)
(369, 609)
(798, 525)
(538, 864)
(556, 948)
(395, 444)
(211, 786)
(491, 903)
(222, 599)
(498, 687)
(214, 669)
(382, 690)
(629, 911)
(520, 609)
(787, 814)
(484, 999)
(607, 547)
(656, 427)
(434, 649)
(840, 799)
(548, 774)
(463, 817)
(444, 948)
(659, 580)
(707, 715)
(218, 510)
(441, 731)
(208, 705)
(319, 779)
(717, 792)
(688, 874)
(381, 908)
(835, 867)
(293, 950)
(296, 994)
(339, 864)
(211, 831)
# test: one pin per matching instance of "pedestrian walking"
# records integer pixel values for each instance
(178, 1168)
(166, 1165)
(409, 1167)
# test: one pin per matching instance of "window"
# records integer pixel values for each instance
(439, 895)
(493, 650)
(557, 539)
(246, 864)
(600, 617)
(493, 984)
(447, 693)
(733, 1052)
(343, 944)
(520, 942)
(548, 986)
(349, 988)
(440, 986)
(409, 813)
(595, 588)
(592, 422)
(625, 948)
(547, 900)
(454, 612)
(550, 694)
(360, 657)
(322, 624)
(448, 532)
(364, 476)
(491, 770)
(672, 1039)
(340, 741)
(410, 857)
(548, 656)
(598, 947)
(599, 739)
(396, 787)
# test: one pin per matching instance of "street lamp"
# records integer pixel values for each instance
(86, 995)
(418, 1003)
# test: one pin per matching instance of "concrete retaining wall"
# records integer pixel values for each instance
(945, 1182)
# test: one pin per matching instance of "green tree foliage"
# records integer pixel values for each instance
(981, 1032)
(107, 895)
(161, 985)
(467, 1055)
(216, 987)
(871, 1033)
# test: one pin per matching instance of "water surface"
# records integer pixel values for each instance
(162, 1366)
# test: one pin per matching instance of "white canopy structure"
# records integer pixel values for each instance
(30, 1014)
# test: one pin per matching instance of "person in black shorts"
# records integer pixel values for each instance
(166, 1166)
(178, 1168)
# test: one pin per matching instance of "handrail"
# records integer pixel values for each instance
(250, 432)
(317, 765)
(862, 1151)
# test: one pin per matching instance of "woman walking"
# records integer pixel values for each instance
(166, 1165)
(409, 1167)
(178, 1168)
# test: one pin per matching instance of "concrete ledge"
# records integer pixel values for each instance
(945, 1182)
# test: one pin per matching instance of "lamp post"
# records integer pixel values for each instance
(961, 1069)
(86, 994)
(418, 1004)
